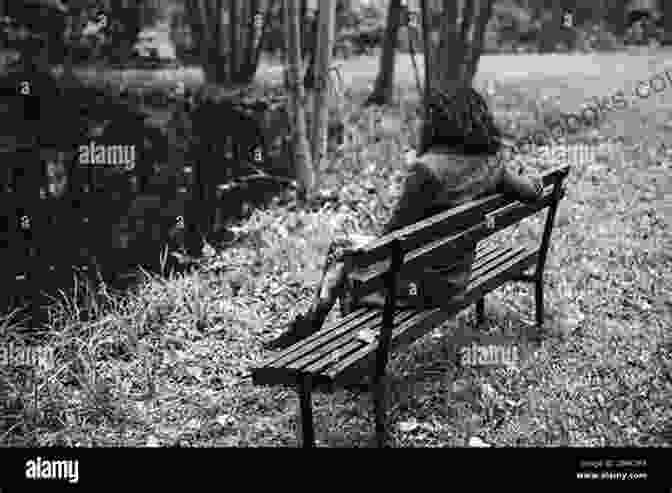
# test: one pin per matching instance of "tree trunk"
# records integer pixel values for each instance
(482, 17)
(455, 50)
(426, 48)
(553, 36)
(129, 26)
(667, 18)
(325, 47)
(301, 147)
(383, 91)
(614, 14)
(234, 18)
(224, 31)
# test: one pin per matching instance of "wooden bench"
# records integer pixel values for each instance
(354, 351)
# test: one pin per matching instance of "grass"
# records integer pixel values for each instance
(168, 363)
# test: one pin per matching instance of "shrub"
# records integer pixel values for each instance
(365, 38)
(362, 27)
(603, 40)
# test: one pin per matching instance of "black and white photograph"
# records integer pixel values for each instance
(437, 224)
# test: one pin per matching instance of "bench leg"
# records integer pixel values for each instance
(539, 300)
(379, 400)
(480, 311)
(307, 431)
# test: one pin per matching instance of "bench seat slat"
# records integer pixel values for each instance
(338, 350)
(483, 250)
(332, 346)
(344, 342)
(456, 304)
(492, 262)
(354, 322)
(348, 370)
(353, 319)
(334, 353)
(487, 265)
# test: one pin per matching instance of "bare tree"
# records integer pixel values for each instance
(454, 51)
(667, 18)
(325, 46)
(301, 147)
(229, 34)
(554, 31)
(383, 90)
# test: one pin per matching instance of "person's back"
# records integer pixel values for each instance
(441, 180)
(459, 161)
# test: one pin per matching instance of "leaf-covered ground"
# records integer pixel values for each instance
(168, 364)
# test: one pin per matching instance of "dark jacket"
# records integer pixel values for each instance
(439, 181)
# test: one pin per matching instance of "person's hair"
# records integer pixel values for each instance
(460, 121)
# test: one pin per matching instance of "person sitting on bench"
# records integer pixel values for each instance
(459, 160)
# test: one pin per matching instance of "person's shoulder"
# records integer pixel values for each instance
(455, 164)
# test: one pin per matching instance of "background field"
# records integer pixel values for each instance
(565, 79)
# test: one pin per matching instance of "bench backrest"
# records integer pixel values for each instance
(380, 263)
(449, 233)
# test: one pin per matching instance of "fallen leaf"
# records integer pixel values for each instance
(194, 371)
(141, 408)
(477, 442)
(171, 356)
(209, 251)
(631, 430)
(408, 426)
(231, 441)
(169, 431)
(152, 441)
(367, 336)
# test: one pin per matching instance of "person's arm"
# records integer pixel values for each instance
(416, 198)
(527, 188)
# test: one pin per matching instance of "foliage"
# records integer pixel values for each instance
(231, 58)
(513, 28)
(513, 23)
(86, 31)
(364, 28)
(599, 38)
